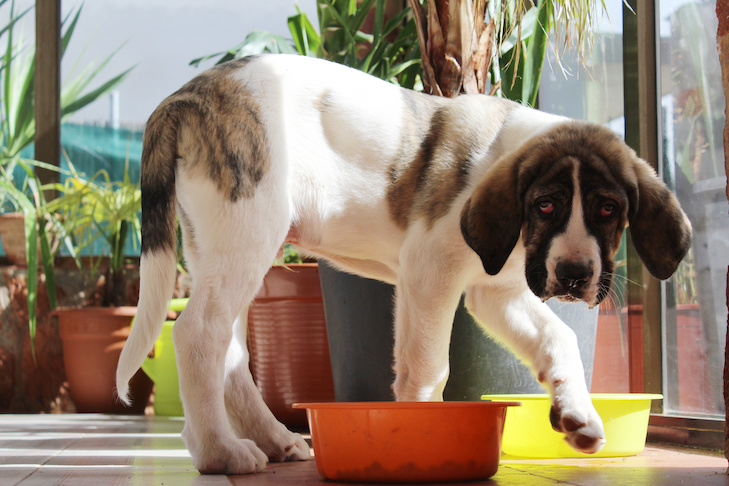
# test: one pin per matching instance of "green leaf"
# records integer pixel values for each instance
(93, 95)
(260, 41)
(196, 62)
(47, 261)
(13, 20)
(31, 250)
(66, 37)
(377, 48)
(343, 26)
(306, 38)
(363, 10)
(535, 53)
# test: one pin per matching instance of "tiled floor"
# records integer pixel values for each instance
(104, 450)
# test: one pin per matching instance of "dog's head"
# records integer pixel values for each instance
(570, 193)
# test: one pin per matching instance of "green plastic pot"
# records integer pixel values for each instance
(162, 368)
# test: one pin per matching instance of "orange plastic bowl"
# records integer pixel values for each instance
(406, 441)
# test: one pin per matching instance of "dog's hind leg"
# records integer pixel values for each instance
(200, 333)
(248, 414)
(234, 246)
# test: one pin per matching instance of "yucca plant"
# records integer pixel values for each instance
(21, 189)
(17, 82)
(517, 70)
(41, 228)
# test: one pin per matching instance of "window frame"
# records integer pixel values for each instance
(643, 132)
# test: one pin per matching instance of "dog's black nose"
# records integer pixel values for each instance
(573, 275)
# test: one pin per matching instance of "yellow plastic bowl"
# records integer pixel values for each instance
(162, 369)
(528, 432)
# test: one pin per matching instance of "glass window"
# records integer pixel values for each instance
(693, 124)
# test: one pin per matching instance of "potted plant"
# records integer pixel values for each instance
(287, 339)
(29, 232)
(36, 374)
(104, 214)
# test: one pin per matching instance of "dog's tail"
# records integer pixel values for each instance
(159, 242)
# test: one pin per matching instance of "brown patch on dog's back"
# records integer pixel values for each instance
(213, 125)
(407, 179)
(220, 130)
(406, 174)
(434, 167)
(323, 102)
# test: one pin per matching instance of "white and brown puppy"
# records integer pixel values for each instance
(422, 192)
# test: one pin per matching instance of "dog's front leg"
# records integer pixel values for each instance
(423, 323)
(537, 336)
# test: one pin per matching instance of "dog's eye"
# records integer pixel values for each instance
(607, 210)
(546, 207)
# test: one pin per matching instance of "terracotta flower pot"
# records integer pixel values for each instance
(693, 363)
(288, 342)
(93, 338)
(12, 235)
(688, 356)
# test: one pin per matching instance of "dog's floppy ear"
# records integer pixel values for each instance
(491, 218)
(660, 230)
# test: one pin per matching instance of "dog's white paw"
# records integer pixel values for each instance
(231, 457)
(279, 443)
(580, 423)
(293, 448)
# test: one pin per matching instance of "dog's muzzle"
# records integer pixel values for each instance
(572, 282)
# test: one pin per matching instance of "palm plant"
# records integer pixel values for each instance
(389, 51)
(477, 46)
(98, 209)
(448, 46)
(386, 52)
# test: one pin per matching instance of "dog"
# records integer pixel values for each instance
(474, 195)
